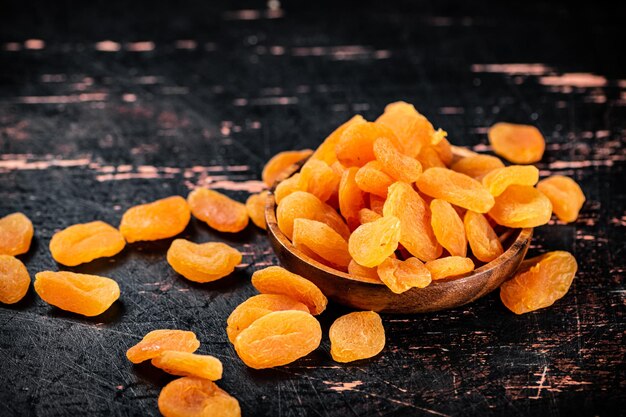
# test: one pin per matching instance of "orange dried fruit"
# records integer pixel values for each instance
(449, 266)
(499, 179)
(429, 158)
(322, 240)
(88, 295)
(539, 282)
(521, 206)
(157, 220)
(217, 210)
(280, 162)
(158, 341)
(16, 233)
(400, 276)
(455, 188)
(372, 179)
(443, 148)
(319, 179)
(482, 238)
(196, 397)
(356, 145)
(367, 216)
(566, 196)
(363, 272)
(355, 336)
(14, 279)
(351, 197)
(277, 280)
(85, 242)
(477, 166)
(411, 128)
(202, 262)
(371, 243)
(255, 205)
(286, 187)
(189, 364)
(520, 144)
(278, 338)
(448, 227)
(326, 151)
(394, 163)
(377, 203)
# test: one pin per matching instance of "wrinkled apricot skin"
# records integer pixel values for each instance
(429, 158)
(356, 145)
(16, 233)
(363, 273)
(395, 163)
(319, 179)
(278, 338)
(85, 242)
(400, 276)
(286, 187)
(482, 238)
(158, 341)
(202, 262)
(88, 295)
(450, 266)
(521, 206)
(255, 205)
(411, 128)
(217, 210)
(277, 280)
(520, 144)
(455, 188)
(355, 336)
(371, 179)
(351, 197)
(448, 227)
(326, 151)
(539, 282)
(322, 240)
(196, 397)
(371, 243)
(281, 162)
(14, 280)
(189, 364)
(499, 179)
(367, 216)
(477, 166)
(566, 196)
(157, 220)
(256, 307)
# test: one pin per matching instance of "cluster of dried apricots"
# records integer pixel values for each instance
(387, 200)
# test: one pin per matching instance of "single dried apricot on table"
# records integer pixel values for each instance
(565, 195)
(281, 162)
(355, 336)
(371, 179)
(539, 282)
(319, 179)
(482, 238)
(196, 397)
(448, 227)
(351, 197)
(84, 294)
(16, 233)
(202, 262)
(85, 242)
(394, 163)
(278, 338)
(217, 210)
(400, 276)
(326, 151)
(157, 220)
(322, 240)
(355, 148)
(277, 280)
(521, 206)
(371, 243)
(255, 204)
(499, 179)
(450, 266)
(477, 166)
(411, 128)
(14, 279)
(189, 364)
(158, 341)
(520, 144)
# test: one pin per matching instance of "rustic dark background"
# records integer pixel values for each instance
(104, 106)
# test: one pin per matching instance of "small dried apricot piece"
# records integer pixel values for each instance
(449, 266)
(448, 227)
(363, 272)
(400, 276)
(482, 239)
(84, 294)
(157, 220)
(371, 179)
(499, 179)
(326, 151)
(367, 216)
(202, 262)
(286, 187)
(281, 162)
(394, 163)
(85, 242)
(256, 307)
(377, 203)
(16, 233)
(351, 197)
(429, 158)
(371, 243)
(14, 279)
(455, 188)
(356, 145)
(217, 210)
(443, 148)
(319, 179)
(539, 282)
(355, 336)
(520, 144)
(255, 205)
(278, 338)
(189, 364)
(196, 397)
(521, 206)
(477, 166)
(411, 128)
(322, 240)
(565, 195)
(277, 280)
(158, 341)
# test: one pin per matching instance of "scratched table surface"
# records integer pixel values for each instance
(105, 108)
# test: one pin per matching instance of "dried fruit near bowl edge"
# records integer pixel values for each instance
(202, 262)
(196, 397)
(81, 243)
(158, 341)
(16, 233)
(14, 279)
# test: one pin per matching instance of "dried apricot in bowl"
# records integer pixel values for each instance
(539, 282)
(157, 220)
(81, 243)
(482, 238)
(84, 294)
(448, 227)
(520, 144)
(477, 166)
(281, 162)
(449, 266)
(358, 335)
(158, 341)
(521, 206)
(411, 128)
(323, 241)
(189, 364)
(255, 205)
(196, 397)
(16, 233)
(371, 243)
(565, 195)
(400, 276)
(14, 280)
(202, 262)
(356, 145)
(217, 210)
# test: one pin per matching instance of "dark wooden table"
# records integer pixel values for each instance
(106, 106)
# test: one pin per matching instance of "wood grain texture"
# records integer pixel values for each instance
(104, 107)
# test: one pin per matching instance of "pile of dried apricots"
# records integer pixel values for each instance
(387, 200)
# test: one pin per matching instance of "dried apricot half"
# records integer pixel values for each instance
(482, 238)
(521, 206)
(400, 276)
(455, 188)
(157, 220)
(14, 280)
(397, 165)
(189, 364)
(449, 266)
(319, 179)
(448, 227)
(16, 233)
(355, 336)
(363, 272)
(322, 240)
(85, 242)
(520, 144)
(255, 204)
(202, 262)
(196, 397)
(326, 151)
(566, 196)
(411, 128)
(158, 341)
(499, 179)
(281, 162)
(477, 166)
(217, 210)
(371, 243)
(356, 145)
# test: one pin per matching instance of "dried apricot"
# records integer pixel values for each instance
(85, 242)
(499, 179)
(189, 364)
(429, 158)
(326, 151)
(363, 272)
(278, 338)
(411, 128)
(520, 144)
(319, 179)
(277, 280)
(157, 220)
(482, 238)
(539, 282)
(367, 216)
(217, 210)
(84, 294)
(448, 227)
(322, 240)
(14, 280)
(377, 203)
(280, 162)
(358, 335)
(202, 262)
(400, 276)
(371, 179)
(565, 195)
(286, 187)
(394, 163)
(521, 206)
(351, 197)
(356, 145)
(371, 243)
(16, 232)
(477, 166)
(158, 341)
(196, 397)
(443, 147)
(449, 266)
(255, 205)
